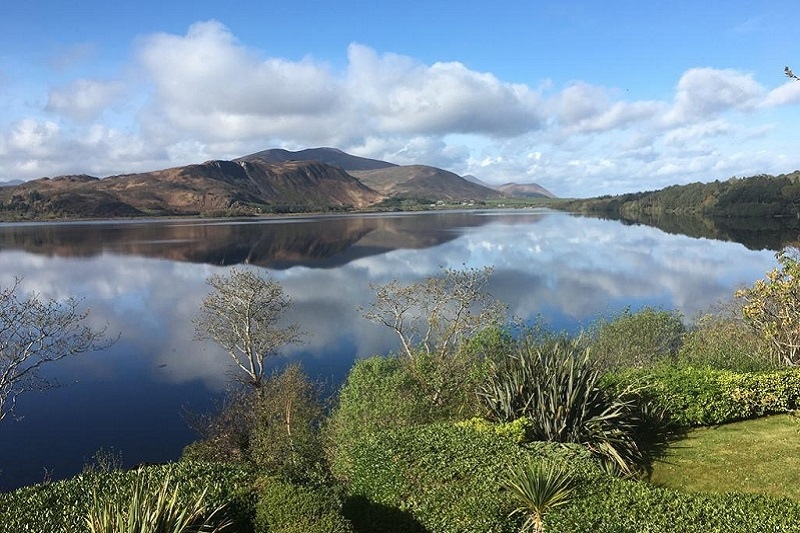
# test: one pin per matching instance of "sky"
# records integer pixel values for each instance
(582, 97)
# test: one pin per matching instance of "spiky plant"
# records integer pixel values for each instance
(557, 387)
(153, 509)
(537, 489)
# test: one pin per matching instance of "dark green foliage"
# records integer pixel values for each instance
(704, 396)
(291, 508)
(612, 505)
(557, 387)
(538, 489)
(391, 392)
(448, 478)
(61, 506)
(640, 339)
(445, 479)
(285, 439)
(275, 427)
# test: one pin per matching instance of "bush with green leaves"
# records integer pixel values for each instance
(275, 427)
(613, 505)
(772, 307)
(154, 508)
(558, 388)
(723, 341)
(285, 507)
(383, 393)
(441, 478)
(705, 396)
(285, 439)
(640, 339)
(62, 507)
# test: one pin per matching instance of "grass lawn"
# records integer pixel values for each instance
(761, 455)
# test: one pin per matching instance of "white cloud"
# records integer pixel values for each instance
(707, 92)
(204, 94)
(400, 95)
(207, 83)
(83, 99)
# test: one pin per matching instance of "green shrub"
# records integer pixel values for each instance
(446, 479)
(290, 508)
(613, 505)
(285, 439)
(640, 339)
(382, 393)
(443, 478)
(154, 508)
(705, 396)
(725, 342)
(62, 506)
(557, 387)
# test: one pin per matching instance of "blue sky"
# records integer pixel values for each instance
(584, 98)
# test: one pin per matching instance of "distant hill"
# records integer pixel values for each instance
(276, 180)
(329, 156)
(525, 190)
(757, 197)
(420, 181)
(211, 187)
(472, 179)
(11, 183)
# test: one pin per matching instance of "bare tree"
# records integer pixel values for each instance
(437, 314)
(35, 332)
(243, 314)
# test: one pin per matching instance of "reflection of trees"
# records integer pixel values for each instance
(755, 233)
(275, 243)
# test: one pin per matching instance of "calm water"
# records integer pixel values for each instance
(145, 280)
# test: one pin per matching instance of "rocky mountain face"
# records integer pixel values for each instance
(316, 179)
(208, 188)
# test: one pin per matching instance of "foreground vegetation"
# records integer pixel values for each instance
(477, 425)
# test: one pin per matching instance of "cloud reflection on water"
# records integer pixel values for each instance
(566, 268)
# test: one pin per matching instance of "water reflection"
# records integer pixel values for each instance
(146, 281)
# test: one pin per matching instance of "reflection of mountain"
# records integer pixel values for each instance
(275, 243)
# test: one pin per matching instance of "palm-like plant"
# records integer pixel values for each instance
(153, 510)
(538, 489)
(558, 388)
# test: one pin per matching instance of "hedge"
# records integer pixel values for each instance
(61, 507)
(285, 507)
(704, 396)
(442, 478)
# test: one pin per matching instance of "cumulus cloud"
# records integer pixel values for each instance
(83, 99)
(209, 83)
(404, 96)
(204, 94)
(707, 92)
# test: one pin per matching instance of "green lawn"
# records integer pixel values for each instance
(761, 456)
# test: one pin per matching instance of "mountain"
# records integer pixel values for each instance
(525, 190)
(329, 156)
(415, 181)
(11, 183)
(472, 179)
(420, 181)
(212, 187)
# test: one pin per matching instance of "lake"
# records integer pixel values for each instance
(145, 280)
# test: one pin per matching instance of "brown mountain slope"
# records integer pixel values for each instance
(525, 190)
(422, 181)
(329, 156)
(208, 187)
